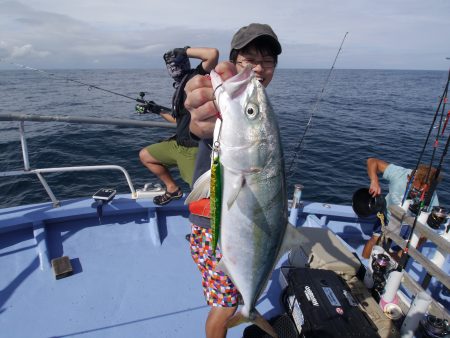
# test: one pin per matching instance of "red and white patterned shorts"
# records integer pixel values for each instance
(218, 288)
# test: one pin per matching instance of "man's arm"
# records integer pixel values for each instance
(209, 56)
(167, 115)
(200, 100)
(374, 167)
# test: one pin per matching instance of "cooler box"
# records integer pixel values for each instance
(321, 305)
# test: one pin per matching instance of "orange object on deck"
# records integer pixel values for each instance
(200, 207)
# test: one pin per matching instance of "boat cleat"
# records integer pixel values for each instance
(150, 190)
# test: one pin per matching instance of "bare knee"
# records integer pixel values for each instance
(146, 157)
(216, 324)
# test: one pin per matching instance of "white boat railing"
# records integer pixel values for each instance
(392, 231)
(76, 120)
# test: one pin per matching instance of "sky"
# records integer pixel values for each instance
(85, 34)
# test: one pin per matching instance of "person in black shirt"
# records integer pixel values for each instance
(181, 149)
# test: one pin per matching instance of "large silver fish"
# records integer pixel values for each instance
(254, 229)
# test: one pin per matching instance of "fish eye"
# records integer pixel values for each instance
(251, 110)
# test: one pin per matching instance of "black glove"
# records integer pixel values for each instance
(152, 107)
(147, 108)
(176, 54)
(177, 63)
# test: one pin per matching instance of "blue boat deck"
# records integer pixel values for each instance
(125, 282)
(133, 275)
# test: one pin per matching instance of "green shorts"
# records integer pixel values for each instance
(170, 154)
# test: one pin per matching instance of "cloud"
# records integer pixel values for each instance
(405, 34)
(26, 50)
(68, 42)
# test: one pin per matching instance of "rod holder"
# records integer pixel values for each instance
(392, 285)
(415, 314)
(296, 202)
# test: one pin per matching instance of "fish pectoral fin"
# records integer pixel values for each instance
(236, 188)
(256, 319)
(201, 188)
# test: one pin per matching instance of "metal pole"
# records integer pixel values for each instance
(49, 191)
(23, 141)
(85, 120)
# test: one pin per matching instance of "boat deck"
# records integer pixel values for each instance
(133, 275)
(124, 284)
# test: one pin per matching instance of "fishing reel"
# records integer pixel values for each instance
(142, 106)
(146, 107)
(414, 196)
(380, 265)
(414, 207)
(434, 327)
(417, 196)
(437, 217)
(414, 193)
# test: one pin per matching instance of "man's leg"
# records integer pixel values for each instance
(217, 321)
(158, 169)
(220, 293)
(186, 163)
(369, 245)
(374, 240)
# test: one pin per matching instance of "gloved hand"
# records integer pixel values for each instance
(152, 107)
(175, 55)
(177, 63)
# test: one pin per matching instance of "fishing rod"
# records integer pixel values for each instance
(143, 106)
(427, 279)
(428, 190)
(315, 107)
(442, 125)
(442, 103)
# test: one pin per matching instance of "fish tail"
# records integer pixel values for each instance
(256, 318)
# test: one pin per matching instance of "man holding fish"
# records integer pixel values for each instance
(254, 231)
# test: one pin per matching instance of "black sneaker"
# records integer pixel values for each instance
(167, 197)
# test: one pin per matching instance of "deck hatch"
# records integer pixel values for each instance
(62, 267)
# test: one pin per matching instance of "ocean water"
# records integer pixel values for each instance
(363, 113)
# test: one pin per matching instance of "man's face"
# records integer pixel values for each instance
(262, 65)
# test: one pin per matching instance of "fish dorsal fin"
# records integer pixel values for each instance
(200, 189)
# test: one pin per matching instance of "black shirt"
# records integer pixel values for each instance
(181, 114)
